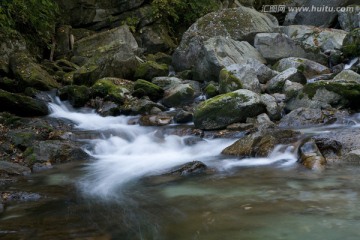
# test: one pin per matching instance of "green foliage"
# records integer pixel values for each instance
(34, 18)
(132, 23)
(182, 12)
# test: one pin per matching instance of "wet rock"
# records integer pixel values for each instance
(349, 20)
(331, 149)
(225, 109)
(260, 144)
(29, 73)
(220, 52)
(13, 169)
(195, 167)
(145, 88)
(183, 117)
(275, 46)
(311, 157)
(140, 106)
(179, 95)
(155, 120)
(77, 95)
(112, 89)
(353, 157)
(22, 105)
(307, 67)
(324, 38)
(239, 24)
(240, 126)
(276, 84)
(19, 196)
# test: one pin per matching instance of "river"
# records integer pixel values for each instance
(123, 194)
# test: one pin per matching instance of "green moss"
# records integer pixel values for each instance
(301, 68)
(351, 44)
(145, 88)
(349, 90)
(110, 89)
(150, 69)
(211, 90)
(228, 82)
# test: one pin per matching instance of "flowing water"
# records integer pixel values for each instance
(124, 194)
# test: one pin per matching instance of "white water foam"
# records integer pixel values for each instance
(120, 160)
(351, 63)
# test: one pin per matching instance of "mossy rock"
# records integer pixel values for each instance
(22, 105)
(77, 95)
(223, 110)
(349, 90)
(228, 82)
(179, 95)
(351, 44)
(112, 89)
(29, 73)
(145, 88)
(211, 90)
(151, 69)
(159, 57)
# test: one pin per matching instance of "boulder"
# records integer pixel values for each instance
(348, 75)
(183, 116)
(273, 109)
(239, 24)
(225, 109)
(155, 120)
(307, 67)
(351, 44)
(219, 52)
(145, 88)
(275, 46)
(349, 20)
(29, 73)
(112, 89)
(307, 117)
(276, 84)
(77, 95)
(148, 70)
(353, 157)
(291, 89)
(238, 76)
(109, 54)
(260, 144)
(311, 157)
(167, 82)
(323, 38)
(22, 105)
(178, 95)
(348, 90)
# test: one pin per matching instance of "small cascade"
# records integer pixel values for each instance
(351, 63)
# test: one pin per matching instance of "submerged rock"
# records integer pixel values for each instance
(195, 167)
(225, 109)
(311, 157)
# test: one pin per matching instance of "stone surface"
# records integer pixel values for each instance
(307, 67)
(351, 44)
(225, 109)
(311, 157)
(219, 52)
(145, 88)
(238, 24)
(276, 84)
(275, 46)
(179, 95)
(272, 108)
(349, 20)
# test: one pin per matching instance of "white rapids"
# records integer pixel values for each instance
(134, 151)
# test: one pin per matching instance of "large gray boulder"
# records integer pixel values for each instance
(275, 46)
(239, 24)
(220, 52)
(324, 38)
(109, 54)
(307, 67)
(225, 109)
